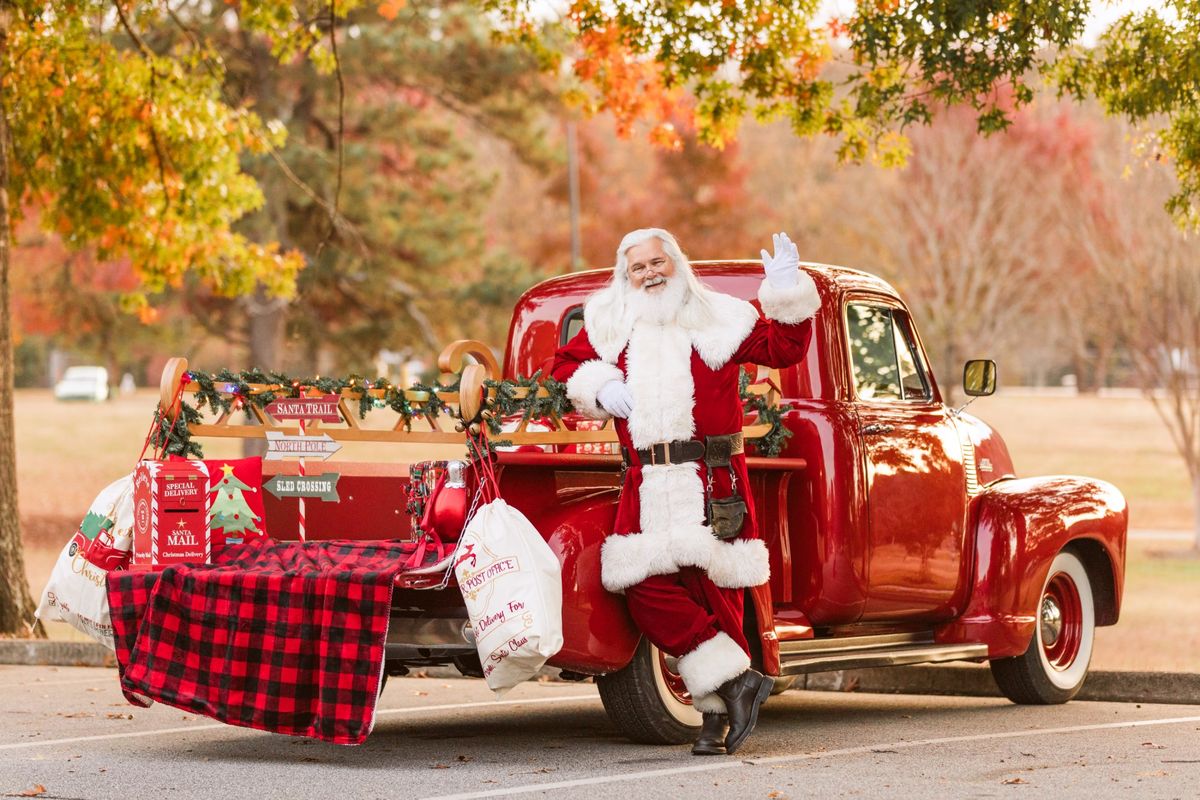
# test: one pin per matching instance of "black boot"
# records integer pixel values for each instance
(743, 695)
(711, 741)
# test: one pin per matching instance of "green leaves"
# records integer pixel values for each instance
(1146, 68)
(135, 153)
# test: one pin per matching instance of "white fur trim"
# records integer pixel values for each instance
(718, 339)
(672, 505)
(711, 664)
(671, 514)
(585, 383)
(715, 323)
(628, 559)
(791, 305)
(659, 367)
(709, 704)
(739, 563)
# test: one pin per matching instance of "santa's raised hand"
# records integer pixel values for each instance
(783, 267)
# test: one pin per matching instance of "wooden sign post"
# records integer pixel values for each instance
(281, 445)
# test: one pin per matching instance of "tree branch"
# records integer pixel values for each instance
(148, 56)
(341, 125)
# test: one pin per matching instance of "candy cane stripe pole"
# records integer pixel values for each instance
(301, 473)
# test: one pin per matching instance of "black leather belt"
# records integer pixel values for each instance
(715, 451)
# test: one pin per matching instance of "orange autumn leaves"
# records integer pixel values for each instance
(390, 9)
(631, 88)
(133, 157)
(702, 67)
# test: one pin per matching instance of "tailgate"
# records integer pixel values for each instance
(371, 501)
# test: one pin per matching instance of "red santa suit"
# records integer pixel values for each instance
(683, 586)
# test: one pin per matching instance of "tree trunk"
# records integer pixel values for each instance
(1196, 510)
(16, 601)
(264, 314)
(950, 378)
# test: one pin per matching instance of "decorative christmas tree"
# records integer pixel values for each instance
(230, 511)
(93, 523)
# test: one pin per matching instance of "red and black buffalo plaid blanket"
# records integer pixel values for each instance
(280, 636)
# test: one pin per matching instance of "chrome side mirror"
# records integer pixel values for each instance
(979, 377)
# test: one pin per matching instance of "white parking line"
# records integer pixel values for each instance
(847, 751)
(378, 713)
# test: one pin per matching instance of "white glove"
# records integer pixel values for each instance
(783, 268)
(615, 398)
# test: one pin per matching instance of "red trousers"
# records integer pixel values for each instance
(680, 611)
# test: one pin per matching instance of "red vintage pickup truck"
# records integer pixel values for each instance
(898, 529)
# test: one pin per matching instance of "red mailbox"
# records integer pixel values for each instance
(170, 520)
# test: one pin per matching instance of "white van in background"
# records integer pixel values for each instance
(83, 383)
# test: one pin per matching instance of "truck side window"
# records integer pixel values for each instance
(883, 356)
(912, 377)
(873, 352)
(572, 324)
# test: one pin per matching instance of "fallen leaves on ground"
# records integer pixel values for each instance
(1014, 780)
(37, 791)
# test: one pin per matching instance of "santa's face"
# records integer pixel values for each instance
(649, 266)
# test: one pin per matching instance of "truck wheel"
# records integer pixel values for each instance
(648, 702)
(1053, 669)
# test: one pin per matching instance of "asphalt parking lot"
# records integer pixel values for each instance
(68, 733)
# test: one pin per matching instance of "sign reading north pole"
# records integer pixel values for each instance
(281, 446)
(324, 408)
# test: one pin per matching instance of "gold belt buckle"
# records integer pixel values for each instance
(666, 453)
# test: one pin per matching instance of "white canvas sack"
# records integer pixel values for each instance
(77, 592)
(512, 584)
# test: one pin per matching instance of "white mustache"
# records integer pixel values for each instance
(657, 280)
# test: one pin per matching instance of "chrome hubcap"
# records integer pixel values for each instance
(1051, 621)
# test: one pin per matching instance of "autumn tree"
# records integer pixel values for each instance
(130, 153)
(1144, 289)
(70, 299)
(698, 192)
(394, 137)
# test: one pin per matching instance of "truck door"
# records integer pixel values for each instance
(913, 467)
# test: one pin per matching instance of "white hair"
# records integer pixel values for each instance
(609, 310)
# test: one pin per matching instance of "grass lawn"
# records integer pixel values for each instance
(67, 452)
(1120, 440)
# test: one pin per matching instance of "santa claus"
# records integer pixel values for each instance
(660, 352)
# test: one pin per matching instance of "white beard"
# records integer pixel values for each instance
(663, 306)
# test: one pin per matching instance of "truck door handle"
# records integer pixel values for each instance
(875, 429)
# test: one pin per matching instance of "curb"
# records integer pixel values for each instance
(966, 681)
(48, 653)
(976, 681)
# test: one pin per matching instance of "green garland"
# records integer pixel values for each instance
(772, 443)
(226, 392)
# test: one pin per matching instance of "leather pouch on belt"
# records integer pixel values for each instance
(726, 515)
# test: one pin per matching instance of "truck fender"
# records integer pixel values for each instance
(599, 636)
(1020, 525)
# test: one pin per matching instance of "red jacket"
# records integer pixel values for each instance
(684, 382)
